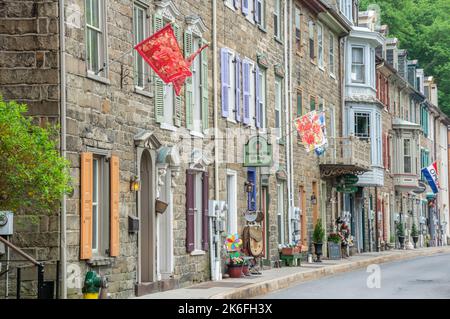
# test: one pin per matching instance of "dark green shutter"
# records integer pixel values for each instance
(204, 80)
(177, 115)
(159, 84)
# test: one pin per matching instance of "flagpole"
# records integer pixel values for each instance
(113, 61)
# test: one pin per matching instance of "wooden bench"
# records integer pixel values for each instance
(292, 260)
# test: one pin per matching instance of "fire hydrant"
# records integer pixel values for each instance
(92, 285)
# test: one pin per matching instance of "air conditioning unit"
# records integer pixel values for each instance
(6, 222)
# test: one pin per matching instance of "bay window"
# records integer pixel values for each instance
(358, 67)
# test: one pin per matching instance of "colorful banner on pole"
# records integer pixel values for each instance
(431, 174)
(311, 128)
(162, 52)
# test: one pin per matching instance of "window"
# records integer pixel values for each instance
(372, 68)
(358, 70)
(362, 125)
(252, 103)
(99, 189)
(331, 55)
(231, 218)
(281, 214)
(230, 4)
(298, 31)
(262, 97)
(407, 161)
(260, 13)
(312, 53)
(140, 33)
(412, 113)
(233, 78)
(277, 19)
(312, 103)
(299, 103)
(320, 44)
(95, 37)
(321, 104)
(346, 8)
(251, 13)
(197, 86)
(278, 107)
(198, 217)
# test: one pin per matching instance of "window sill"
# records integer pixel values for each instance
(231, 120)
(197, 134)
(198, 253)
(313, 62)
(101, 79)
(262, 29)
(100, 261)
(279, 40)
(230, 6)
(143, 92)
(252, 21)
(168, 127)
(321, 68)
(332, 76)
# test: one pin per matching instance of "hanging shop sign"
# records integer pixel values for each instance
(350, 179)
(347, 189)
(258, 152)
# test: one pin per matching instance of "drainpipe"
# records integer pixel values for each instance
(286, 111)
(292, 112)
(216, 119)
(62, 92)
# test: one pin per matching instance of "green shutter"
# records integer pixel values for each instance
(178, 101)
(204, 79)
(159, 84)
(188, 84)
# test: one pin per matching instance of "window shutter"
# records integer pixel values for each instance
(188, 84)
(190, 191)
(246, 91)
(178, 101)
(225, 80)
(205, 88)
(238, 87)
(86, 206)
(205, 201)
(245, 7)
(256, 5)
(114, 209)
(159, 85)
(385, 150)
(251, 177)
(257, 99)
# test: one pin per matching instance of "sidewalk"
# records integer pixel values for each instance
(280, 278)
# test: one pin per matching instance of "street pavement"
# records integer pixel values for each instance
(422, 277)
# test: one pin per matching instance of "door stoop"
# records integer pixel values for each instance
(146, 288)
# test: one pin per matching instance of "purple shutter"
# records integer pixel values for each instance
(205, 221)
(190, 210)
(236, 3)
(245, 7)
(238, 88)
(256, 5)
(225, 80)
(257, 99)
(246, 91)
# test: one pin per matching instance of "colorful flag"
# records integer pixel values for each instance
(162, 52)
(311, 128)
(431, 174)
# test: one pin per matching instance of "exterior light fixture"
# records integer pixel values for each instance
(417, 201)
(135, 184)
(313, 199)
(248, 187)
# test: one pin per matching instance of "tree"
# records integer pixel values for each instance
(33, 175)
(423, 28)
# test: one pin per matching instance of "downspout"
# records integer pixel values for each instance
(286, 112)
(62, 93)
(291, 110)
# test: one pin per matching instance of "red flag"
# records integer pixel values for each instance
(162, 52)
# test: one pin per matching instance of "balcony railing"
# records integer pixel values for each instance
(351, 152)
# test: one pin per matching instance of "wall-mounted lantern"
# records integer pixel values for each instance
(248, 187)
(313, 199)
(135, 184)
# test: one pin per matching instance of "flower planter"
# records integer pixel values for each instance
(235, 271)
(415, 240)
(318, 250)
(401, 240)
(245, 270)
(288, 251)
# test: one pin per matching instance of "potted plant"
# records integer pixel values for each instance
(235, 267)
(401, 234)
(290, 249)
(318, 237)
(415, 234)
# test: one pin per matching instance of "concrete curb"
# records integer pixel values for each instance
(265, 287)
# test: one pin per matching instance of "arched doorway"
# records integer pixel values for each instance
(147, 217)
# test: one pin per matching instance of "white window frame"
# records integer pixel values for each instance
(320, 57)
(361, 65)
(198, 212)
(231, 222)
(169, 98)
(277, 23)
(96, 167)
(331, 59)
(197, 124)
(278, 106)
(137, 58)
(230, 4)
(262, 15)
(101, 38)
(311, 40)
(252, 96)
(281, 212)
(251, 14)
(298, 28)
(100, 205)
(409, 155)
(262, 98)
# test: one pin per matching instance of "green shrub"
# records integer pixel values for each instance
(400, 230)
(319, 232)
(414, 230)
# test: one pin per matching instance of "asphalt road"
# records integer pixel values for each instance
(422, 278)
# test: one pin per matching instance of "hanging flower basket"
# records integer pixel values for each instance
(160, 206)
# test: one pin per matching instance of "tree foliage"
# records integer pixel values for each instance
(423, 28)
(33, 175)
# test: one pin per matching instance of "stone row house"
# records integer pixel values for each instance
(135, 145)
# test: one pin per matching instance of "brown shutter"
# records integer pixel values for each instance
(205, 201)
(86, 206)
(114, 243)
(385, 150)
(190, 191)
